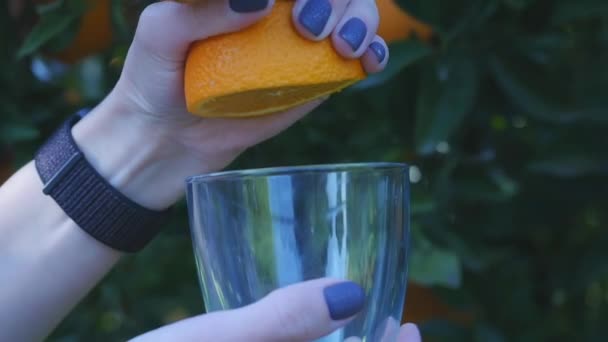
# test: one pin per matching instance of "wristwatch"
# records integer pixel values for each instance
(88, 199)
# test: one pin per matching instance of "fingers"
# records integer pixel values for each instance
(356, 29)
(167, 28)
(301, 312)
(409, 333)
(316, 19)
(306, 311)
(352, 25)
(376, 56)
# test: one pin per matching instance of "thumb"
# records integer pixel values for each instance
(301, 312)
(167, 28)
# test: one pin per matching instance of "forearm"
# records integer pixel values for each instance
(47, 263)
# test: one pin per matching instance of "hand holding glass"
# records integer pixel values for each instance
(257, 230)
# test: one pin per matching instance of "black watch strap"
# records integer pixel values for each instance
(89, 200)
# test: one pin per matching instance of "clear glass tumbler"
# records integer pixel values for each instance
(258, 230)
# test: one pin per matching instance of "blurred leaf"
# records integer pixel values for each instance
(466, 17)
(14, 133)
(119, 20)
(426, 10)
(436, 267)
(402, 54)
(551, 102)
(423, 206)
(485, 333)
(433, 266)
(50, 27)
(45, 8)
(568, 10)
(447, 95)
(487, 187)
(569, 166)
(518, 4)
(57, 24)
(451, 18)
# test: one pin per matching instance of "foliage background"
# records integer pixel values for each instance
(503, 117)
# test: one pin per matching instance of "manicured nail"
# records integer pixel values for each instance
(344, 300)
(314, 16)
(246, 6)
(378, 50)
(354, 32)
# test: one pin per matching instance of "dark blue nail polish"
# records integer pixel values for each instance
(344, 300)
(246, 6)
(378, 50)
(314, 16)
(354, 32)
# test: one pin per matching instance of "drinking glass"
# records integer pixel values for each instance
(254, 231)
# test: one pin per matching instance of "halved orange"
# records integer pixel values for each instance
(266, 68)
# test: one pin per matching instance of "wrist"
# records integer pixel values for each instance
(133, 155)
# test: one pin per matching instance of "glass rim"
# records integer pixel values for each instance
(290, 170)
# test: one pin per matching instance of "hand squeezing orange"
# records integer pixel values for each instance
(266, 68)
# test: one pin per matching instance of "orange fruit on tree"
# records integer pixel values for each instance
(423, 305)
(396, 24)
(94, 34)
(266, 68)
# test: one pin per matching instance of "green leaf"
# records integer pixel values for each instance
(403, 54)
(466, 16)
(518, 4)
(486, 333)
(425, 10)
(447, 95)
(530, 90)
(422, 206)
(57, 25)
(49, 28)
(62, 40)
(45, 8)
(120, 21)
(568, 10)
(430, 265)
(77, 7)
(569, 166)
(15, 132)
(451, 18)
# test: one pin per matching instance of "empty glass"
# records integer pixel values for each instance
(257, 230)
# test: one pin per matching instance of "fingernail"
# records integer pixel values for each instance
(344, 300)
(314, 16)
(354, 32)
(378, 50)
(246, 6)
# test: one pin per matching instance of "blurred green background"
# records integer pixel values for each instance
(503, 116)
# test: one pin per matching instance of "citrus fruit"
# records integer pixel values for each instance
(93, 36)
(423, 305)
(396, 24)
(266, 68)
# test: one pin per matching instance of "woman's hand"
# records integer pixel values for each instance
(148, 105)
(143, 141)
(302, 312)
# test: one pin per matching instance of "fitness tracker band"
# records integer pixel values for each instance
(89, 200)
